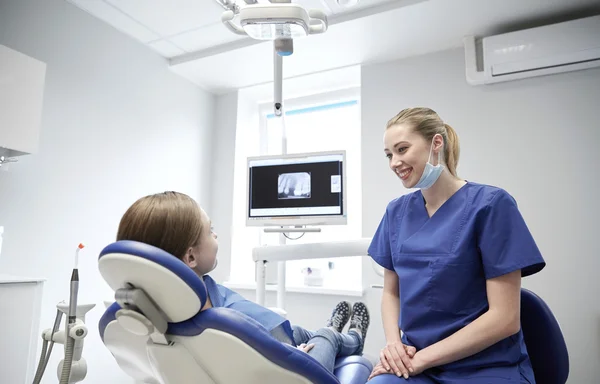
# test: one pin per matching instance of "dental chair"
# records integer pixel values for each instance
(157, 333)
(544, 340)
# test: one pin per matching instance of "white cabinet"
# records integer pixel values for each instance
(20, 333)
(21, 98)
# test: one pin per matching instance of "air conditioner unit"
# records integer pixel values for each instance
(563, 47)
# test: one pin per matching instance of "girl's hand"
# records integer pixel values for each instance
(305, 348)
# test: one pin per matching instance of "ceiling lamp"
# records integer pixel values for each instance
(275, 20)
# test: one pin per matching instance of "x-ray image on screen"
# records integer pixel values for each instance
(297, 189)
(294, 186)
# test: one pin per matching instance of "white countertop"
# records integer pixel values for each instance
(7, 279)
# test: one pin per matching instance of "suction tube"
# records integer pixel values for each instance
(69, 341)
(47, 350)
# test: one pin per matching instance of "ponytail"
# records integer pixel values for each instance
(451, 150)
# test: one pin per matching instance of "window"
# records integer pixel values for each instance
(322, 123)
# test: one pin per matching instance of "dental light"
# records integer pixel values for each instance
(279, 21)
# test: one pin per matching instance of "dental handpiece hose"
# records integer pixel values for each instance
(69, 341)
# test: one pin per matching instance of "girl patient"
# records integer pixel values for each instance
(175, 223)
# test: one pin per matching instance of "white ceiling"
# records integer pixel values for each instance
(199, 47)
(179, 27)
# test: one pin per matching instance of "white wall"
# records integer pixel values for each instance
(536, 138)
(117, 125)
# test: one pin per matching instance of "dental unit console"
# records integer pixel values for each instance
(73, 368)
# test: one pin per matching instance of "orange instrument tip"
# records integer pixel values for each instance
(80, 246)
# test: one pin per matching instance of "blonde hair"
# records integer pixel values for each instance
(171, 221)
(427, 123)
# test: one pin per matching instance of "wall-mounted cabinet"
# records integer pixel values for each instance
(21, 100)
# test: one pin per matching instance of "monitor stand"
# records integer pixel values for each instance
(295, 229)
(281, 270)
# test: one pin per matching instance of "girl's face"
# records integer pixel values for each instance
(202, 258)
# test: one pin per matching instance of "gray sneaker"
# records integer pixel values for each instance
(360, 319)
(340, 316)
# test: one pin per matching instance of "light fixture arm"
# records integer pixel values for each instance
(277, 81)
(227, 19)
(321, 18)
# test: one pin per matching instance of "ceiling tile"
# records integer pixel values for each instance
(166, 48)
(205, 37)
(117, 19)
(171, 17)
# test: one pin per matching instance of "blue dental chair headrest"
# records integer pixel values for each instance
(218, 345)
(172, 285)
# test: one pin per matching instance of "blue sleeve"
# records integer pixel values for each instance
(221, 296)
(505, 242)
(380, 249)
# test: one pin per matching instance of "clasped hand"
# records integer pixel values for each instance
(399, 359)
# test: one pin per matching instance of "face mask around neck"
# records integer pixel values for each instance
(430, 173)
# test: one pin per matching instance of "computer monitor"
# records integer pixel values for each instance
(297, 189)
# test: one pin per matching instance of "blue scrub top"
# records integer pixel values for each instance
(277, 325)
(443, 263)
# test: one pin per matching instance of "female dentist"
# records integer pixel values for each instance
(454, 253)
